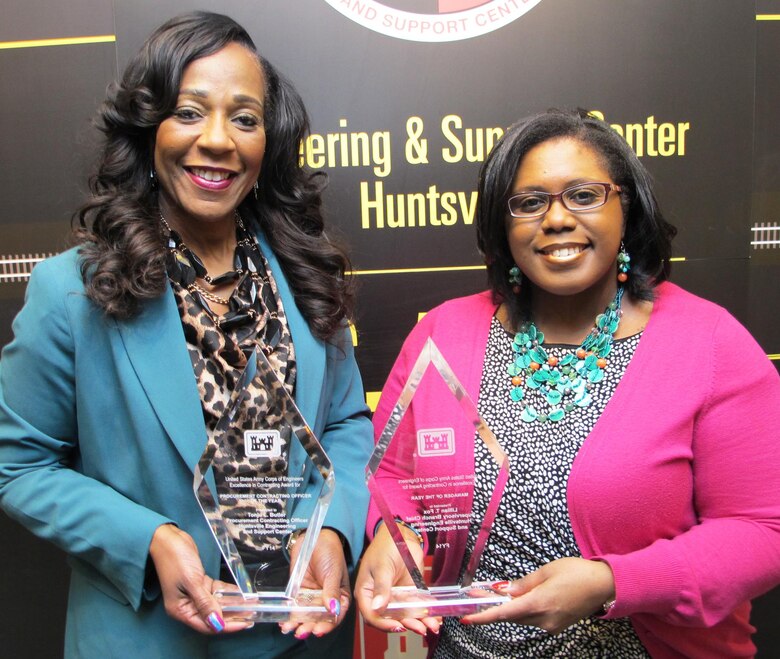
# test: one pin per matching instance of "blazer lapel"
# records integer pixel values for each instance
(156, 347)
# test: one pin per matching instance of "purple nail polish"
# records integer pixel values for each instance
(334, 606)
(216, 622)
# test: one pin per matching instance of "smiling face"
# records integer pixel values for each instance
(208, 153)
(566, 253)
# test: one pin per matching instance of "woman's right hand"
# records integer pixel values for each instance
(188, 592)
(381, 568)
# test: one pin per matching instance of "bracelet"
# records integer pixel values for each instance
(607, 607)
(292, 539)
(401, 522)
(419, 535)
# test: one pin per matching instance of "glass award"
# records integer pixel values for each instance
(261, 479)
(421, 475)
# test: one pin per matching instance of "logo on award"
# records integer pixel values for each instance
(435, 441)
(262, 444)
(454, 20)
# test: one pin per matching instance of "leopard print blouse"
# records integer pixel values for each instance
(219, 352)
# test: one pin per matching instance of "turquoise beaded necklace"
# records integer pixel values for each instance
(565, 383)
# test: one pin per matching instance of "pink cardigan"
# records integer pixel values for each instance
(678, 485)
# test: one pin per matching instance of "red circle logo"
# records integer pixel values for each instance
(445, 20)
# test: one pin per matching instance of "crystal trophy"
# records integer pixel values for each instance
(421, 475)
(258, 482)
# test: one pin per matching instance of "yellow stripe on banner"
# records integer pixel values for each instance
(353, 332)
(404, 271)
(775, 357)
(768, 17)
(65, 41)
(372, 399)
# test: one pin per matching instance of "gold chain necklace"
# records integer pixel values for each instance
(194, 287)
(211, 297)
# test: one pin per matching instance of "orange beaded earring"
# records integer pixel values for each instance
(623, 263)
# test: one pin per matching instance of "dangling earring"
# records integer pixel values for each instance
(515, 278)
(153, 178)
(254, 188)
(623, 264)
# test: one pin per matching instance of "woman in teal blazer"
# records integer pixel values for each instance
(101, 416)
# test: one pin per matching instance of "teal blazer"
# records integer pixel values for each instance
(100, 429)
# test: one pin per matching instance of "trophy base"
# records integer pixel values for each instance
(274, 607)
(411, 602)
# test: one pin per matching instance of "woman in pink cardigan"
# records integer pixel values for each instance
(643, 508)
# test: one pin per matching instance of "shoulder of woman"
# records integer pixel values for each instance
(64, 268)
(455, 321)
(463, 308)
(673, 300)
(54, 278)
(694, 317)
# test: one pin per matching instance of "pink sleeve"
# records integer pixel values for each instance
(732, 553)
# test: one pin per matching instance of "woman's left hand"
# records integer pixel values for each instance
(328, 572)
(553, 597)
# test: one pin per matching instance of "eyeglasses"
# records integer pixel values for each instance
(578, 198)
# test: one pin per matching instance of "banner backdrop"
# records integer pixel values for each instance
(406, 98)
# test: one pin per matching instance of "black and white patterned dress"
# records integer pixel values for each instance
(532, 526)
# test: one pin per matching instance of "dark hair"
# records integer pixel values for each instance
(122, 248)
(648, 237)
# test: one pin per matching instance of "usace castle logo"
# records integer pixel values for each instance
(433, 20)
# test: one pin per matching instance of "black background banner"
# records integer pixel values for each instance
(401, 127)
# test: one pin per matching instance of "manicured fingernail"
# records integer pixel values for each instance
(303, 636)
(463, 621)
(216, 622)
(399, 629)
(249, 625)
(500, 585)
(376, 602)
(334, 606)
